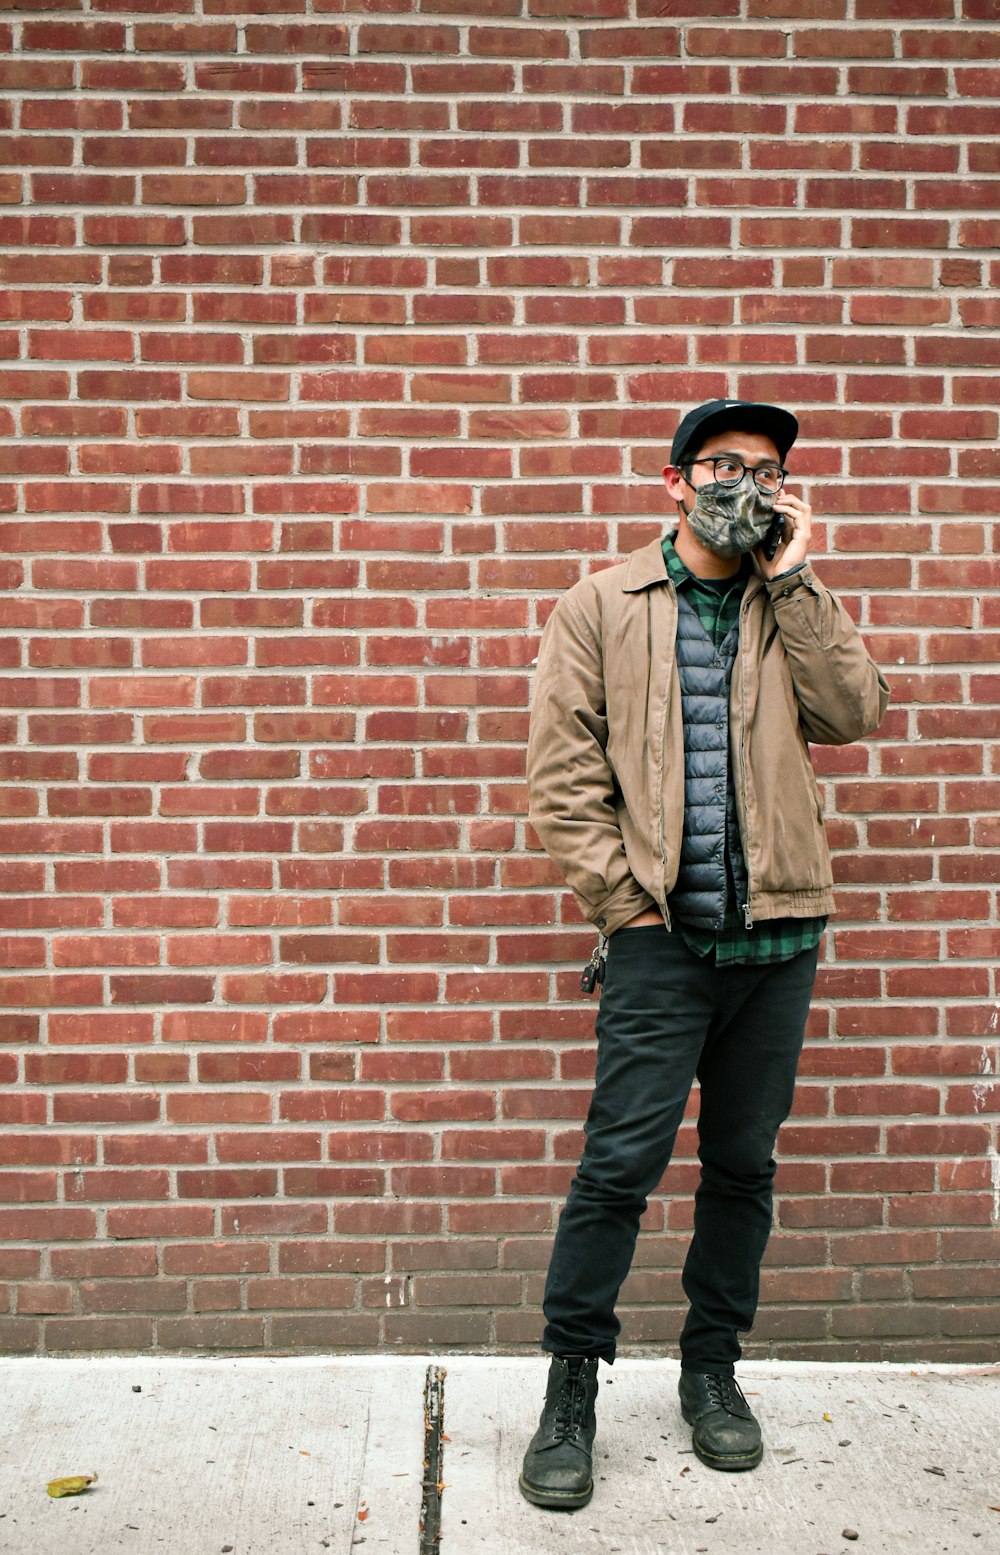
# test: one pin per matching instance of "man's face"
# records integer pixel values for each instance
(750, 448)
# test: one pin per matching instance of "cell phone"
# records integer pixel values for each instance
(774, 536)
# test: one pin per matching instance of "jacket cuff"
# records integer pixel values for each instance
(624, 903)
(786, 583)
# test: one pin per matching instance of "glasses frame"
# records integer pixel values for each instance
(715, 459)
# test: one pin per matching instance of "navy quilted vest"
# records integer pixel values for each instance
(712, 868)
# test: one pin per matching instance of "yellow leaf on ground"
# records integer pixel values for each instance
(71, 1486)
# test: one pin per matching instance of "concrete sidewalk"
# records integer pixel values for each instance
(288, 1455)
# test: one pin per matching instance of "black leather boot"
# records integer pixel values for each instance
(726, 1435)
(557, 1471)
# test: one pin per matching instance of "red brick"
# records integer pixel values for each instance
(909, 157)
(864, 44)
(925, 43)
(99, 1333)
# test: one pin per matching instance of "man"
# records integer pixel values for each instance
(669, 778)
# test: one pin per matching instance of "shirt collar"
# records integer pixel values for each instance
(681, 575)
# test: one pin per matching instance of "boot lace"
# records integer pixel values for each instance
(724, 1391)
(571, 1406)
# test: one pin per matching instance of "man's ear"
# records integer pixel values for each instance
(674, 481)
(677, 487)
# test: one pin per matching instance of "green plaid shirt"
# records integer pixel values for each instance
(775, 939)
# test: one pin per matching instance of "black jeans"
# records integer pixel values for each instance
(666, 1016)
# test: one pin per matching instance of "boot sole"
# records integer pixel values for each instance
(567, 1500)
(730, 1464)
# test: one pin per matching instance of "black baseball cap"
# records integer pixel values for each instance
(716, 415)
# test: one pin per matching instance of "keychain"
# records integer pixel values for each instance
(593, 972)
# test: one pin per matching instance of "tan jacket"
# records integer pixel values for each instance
(606, 740)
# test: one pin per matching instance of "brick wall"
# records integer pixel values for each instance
(335, 344)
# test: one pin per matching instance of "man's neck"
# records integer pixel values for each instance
(699, 559)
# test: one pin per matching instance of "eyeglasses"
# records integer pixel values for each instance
(730, 472)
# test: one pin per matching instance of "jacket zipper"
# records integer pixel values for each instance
(659, 789)
(747, 912)
(663, 856)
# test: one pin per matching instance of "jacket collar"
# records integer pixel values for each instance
(644, 567)
(647, 566)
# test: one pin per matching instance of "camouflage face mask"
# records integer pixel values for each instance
(731, 519)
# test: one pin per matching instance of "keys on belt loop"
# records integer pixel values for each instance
(593, 972)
